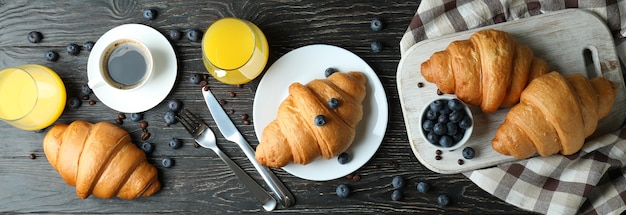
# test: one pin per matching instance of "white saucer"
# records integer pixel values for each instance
(155, 89)
(303, 65)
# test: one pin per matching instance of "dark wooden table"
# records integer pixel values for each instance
(200, 182)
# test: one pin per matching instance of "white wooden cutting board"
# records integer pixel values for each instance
(559, 37)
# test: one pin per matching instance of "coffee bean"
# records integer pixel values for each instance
(32, 156)
(203, 83)
(438, 157)
(232, 94)
(244, 116)
(439, 92)
(119, 121)
(205, 77)
(349, 176)
(239, 85)
(246, 122)
(121, 115)
(145, 135)
(143, 124)
(85, 97)
(231, 111)
(420, 84)
(92, 102)
(395, 165)
(206, 88)
(438, 152)
(222, 101)
(460, 161)
(356, 177)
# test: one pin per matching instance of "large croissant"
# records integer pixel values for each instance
(295, 135)
(489, 69)
(100, 159)
(555, 115)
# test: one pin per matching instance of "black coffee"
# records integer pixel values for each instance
(127, 65)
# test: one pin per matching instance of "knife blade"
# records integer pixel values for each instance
(230, 132)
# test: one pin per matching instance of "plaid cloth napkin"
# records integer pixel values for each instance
(592, 181)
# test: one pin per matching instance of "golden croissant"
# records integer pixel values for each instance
(316, 119)
(555, 115)
(100, 159)
(490, 69)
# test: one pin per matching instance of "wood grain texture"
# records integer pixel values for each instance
(200, 182)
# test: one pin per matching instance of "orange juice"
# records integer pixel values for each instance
(32, 96)
(234, 51)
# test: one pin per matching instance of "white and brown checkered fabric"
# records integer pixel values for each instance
(592, 181)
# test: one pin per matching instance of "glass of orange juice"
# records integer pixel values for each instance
(234, 50)
(32, 97)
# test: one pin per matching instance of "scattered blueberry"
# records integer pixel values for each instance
(136, 117)
(343, 190)
(194, 78)
(72, 49)
(423, 187)
(455, 104)
(35, 36)
(175, 143)
(446, 141)
(468, 153)
(344, 158)
(85, 90)
(52, 55)
(75, 102)
(87, 46)
(396, 195)
(170, 117)
(428, 125)
(437, 105)
(320, 120)
(432, 115)
(174, 105)
(453, 129)
(376, 46)
(193, 35)
(167, 162)
(376, 24)
(149, 14)
(443, 200)
(465, 123)
(147, 147)
(333, 103)
(397, 182)
(329, 71)
(175, 34)
(440, 128)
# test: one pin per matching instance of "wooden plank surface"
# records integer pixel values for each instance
(200, 182)
(560, 38)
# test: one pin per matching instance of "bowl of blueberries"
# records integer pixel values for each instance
(446, 123)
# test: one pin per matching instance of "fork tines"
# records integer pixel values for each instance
(190, 121)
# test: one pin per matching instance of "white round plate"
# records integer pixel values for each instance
(308, 63)
(156, 88)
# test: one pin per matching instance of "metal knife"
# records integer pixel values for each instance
(230, 132)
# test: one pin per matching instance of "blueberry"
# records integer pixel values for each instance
(423, 187)
(376, 46)
(193, 35)
(440, 128)
(344, 158)
(136, 117)
(175, 143)
(431, 114)
(455, 104)
(170, 117)
(329, 71)
(446, 141)
(458, 136)
(85, 90)
(175, 34)
(396, 195)
(342, 190)
(72, 49)
(468, 153)
(174, 105)
(453, 129)
(167, 162)
(52, 55)
(443, 200)
(397, 182)
(445, 111)
(194, 78)
(333, 103)
(149, 14)
(437, 105)
(443, 118)
(456, 116)
(428, 125)
(35, 36)
(320, 120)
(147, 147)
(74, 102)
(465, 123)
(88, 45)
(376, 24)
(432, 137)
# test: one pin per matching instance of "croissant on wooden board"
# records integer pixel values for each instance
(316, 119)
(555, 115)
(100, 159)
(490, 69)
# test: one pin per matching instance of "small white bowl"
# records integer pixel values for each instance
(466, 135)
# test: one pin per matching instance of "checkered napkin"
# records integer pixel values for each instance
(592, 181)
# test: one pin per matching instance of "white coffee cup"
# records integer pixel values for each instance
(125, 64)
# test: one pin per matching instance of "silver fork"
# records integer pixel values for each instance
(204, 136)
